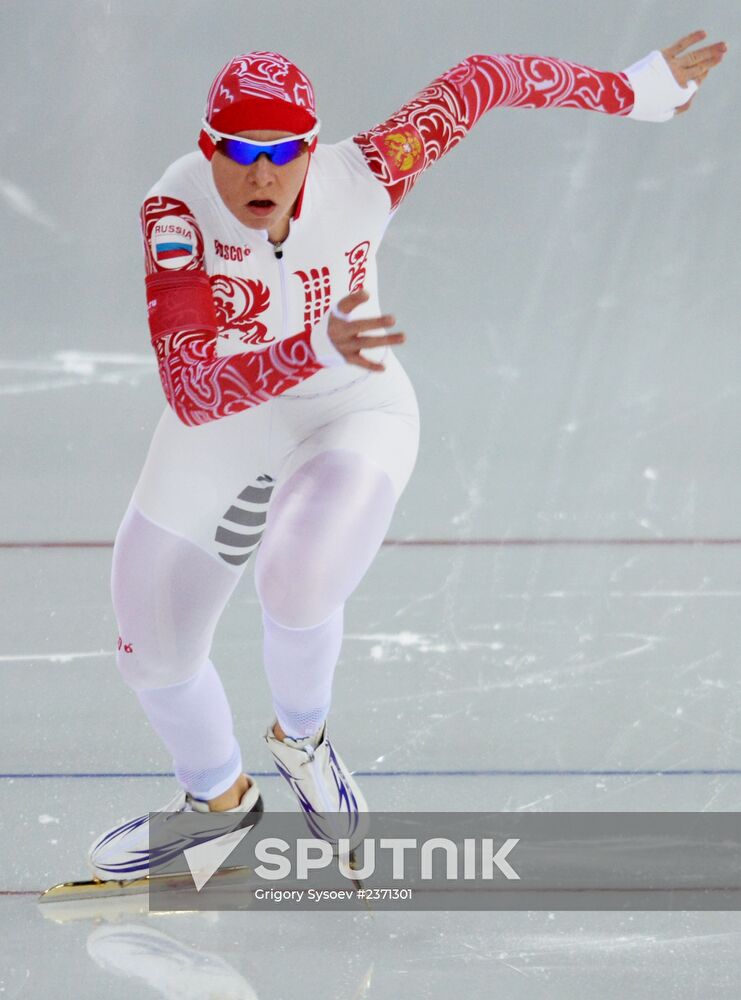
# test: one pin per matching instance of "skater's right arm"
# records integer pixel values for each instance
(200, 386)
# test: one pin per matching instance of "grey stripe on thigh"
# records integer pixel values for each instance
(241, 526)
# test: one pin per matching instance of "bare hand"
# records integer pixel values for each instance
(695, 65)
(347, 334)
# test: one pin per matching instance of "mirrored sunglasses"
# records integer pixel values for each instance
(246, 151)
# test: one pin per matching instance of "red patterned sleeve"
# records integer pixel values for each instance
(199, 385)
(401, 148)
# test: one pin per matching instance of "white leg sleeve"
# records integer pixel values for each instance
(324, 527)
(300, 664)
(168, 596)
(194, 721)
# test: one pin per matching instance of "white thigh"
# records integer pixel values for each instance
(211, 484)
(378, 419)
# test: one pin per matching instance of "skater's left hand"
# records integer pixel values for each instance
(695, 65)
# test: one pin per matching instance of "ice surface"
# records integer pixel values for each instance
(569, 288)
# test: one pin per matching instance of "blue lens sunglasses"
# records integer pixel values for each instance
(246, 151)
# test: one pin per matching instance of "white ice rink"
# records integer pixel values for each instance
(559, 630)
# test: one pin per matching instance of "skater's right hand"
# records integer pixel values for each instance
(347, 334)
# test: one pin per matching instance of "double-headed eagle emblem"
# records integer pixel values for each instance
(404, 148)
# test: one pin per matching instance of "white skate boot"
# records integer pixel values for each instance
(332, 803)
(123, 851)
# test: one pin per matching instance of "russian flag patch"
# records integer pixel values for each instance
(168, 251)
(173, 242)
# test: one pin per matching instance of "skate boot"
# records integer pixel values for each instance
(332, 803)
(123, 851)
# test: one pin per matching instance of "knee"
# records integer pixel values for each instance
(153, 649)
(144, 664)
(135, 671)
(167, 597)
(291, 594)
(296, 579)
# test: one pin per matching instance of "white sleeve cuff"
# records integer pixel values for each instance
(657, 93)
(325, 351)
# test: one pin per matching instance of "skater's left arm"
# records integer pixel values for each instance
(690, 69)
(402, 147)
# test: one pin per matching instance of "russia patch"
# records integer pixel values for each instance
(173, 242)
(402, 149)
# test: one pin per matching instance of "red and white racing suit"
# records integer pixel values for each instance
(259, 406)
